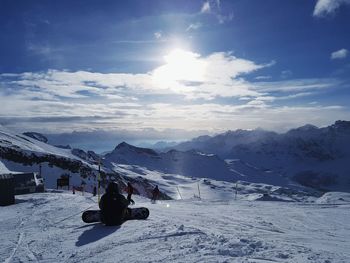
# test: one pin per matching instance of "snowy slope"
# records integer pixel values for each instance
(188, 188)
(47, 228)
(20, 153)
(4, 169)
(190, 163)
(29, 145)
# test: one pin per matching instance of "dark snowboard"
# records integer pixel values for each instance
(91, 216)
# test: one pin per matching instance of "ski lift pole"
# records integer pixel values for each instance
(199, 191)
(99, 181)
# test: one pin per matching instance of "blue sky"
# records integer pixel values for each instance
(173, 69)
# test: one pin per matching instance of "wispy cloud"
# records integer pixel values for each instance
(158, 34)
(286, 74)
(213, 7)
(194, 26)
(206, 7)
(327, 7)
(262, 77)
(296, 85)
(224, 18)
(340, 54)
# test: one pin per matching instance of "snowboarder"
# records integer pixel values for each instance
(113, 206)
(130, 190)
(155, 194)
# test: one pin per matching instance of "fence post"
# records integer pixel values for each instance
(236, 191)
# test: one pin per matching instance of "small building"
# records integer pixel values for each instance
(7, 189)
(26, 183)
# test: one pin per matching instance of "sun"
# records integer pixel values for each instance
(180, 66)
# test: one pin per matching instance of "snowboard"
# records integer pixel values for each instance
(92, 216)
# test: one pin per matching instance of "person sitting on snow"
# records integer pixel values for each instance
(113, 206)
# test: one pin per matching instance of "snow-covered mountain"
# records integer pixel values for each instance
(306, 156)
(311, 156)
(222, 144)
(22, 153)
(189, 163)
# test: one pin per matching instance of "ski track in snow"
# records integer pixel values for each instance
(47, 228)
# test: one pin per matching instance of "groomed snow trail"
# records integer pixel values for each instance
(41, 228)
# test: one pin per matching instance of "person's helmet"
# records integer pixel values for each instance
(112, 188)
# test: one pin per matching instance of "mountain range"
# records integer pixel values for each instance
(307, 156)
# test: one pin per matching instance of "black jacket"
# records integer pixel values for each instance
(113, 208)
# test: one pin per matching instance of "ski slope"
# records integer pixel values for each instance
(47, 227)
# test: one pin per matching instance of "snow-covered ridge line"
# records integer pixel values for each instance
(20, 153)
(311, 156)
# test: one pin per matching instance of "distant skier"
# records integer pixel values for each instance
(94, 191)
(113, 206)
(155, 194)
(129, 190)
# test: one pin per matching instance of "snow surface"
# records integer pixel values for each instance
(3, 168)
(269, 219)
(46, 227)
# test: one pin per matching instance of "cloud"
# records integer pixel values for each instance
(158, 34)
(340, 54)
(194, 26)
(214, 8)
(262, 77)
(286, 74)
(296, 85)
(327, 7)
(206, 7)
(224, 18)
(195, 92)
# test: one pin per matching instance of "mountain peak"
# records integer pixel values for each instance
(307, 127)
(341, 125)
(125, 146)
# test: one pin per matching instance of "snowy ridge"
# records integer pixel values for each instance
(19, 153)
(29, 145)
(190, 163)
(310, 156)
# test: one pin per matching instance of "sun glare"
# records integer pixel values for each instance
(180, 66)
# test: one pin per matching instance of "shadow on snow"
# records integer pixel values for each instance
(97, 232)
